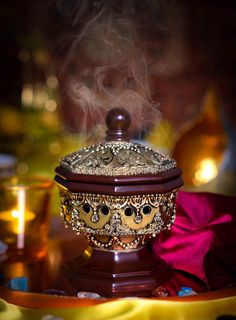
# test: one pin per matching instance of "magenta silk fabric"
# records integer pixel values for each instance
(202, 240)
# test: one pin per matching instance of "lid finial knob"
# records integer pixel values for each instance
(118, 121)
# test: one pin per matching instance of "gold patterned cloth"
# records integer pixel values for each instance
(127, 309)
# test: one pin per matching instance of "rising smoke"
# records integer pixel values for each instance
(104, 51)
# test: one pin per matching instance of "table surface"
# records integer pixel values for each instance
(45, 271)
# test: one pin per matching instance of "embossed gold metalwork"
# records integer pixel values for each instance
(117, 158)
(118, 242)
(116, 217)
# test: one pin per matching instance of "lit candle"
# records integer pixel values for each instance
(21, 219)
(13, 221)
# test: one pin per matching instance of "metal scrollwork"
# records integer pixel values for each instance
(117, 158)
(118, 215)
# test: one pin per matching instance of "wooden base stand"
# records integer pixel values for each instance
(119, 273)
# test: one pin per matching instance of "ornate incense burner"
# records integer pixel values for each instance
(119, 195)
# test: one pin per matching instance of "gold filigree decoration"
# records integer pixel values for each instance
(117, 158)
(117, 243)
(118, 216)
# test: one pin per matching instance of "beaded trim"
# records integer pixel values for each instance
(118, 243)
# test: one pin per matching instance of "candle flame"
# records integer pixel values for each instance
(15, 214)
(207, 170)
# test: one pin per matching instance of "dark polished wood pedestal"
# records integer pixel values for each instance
(118, 273)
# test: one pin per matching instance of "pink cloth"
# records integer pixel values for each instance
(202, 240)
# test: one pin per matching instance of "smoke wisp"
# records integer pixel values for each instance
(105, 59)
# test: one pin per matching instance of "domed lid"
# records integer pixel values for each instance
(117, 157)
(118, 160)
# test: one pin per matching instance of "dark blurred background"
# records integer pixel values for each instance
(191, 76)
